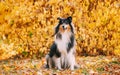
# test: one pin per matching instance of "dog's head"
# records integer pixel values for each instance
(64, 25)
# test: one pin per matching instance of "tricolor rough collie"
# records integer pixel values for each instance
(62, 51)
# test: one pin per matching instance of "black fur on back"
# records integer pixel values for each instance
(54, 51)
(71, 43)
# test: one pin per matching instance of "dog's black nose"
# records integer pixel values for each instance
(63, 27)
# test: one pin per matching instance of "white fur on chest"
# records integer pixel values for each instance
(62, 43)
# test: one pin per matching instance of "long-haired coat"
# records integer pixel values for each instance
(62, 51)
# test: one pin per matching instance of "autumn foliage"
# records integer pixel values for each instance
(27, 26)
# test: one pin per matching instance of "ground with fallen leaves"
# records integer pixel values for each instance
(99, 65)
(27, 26)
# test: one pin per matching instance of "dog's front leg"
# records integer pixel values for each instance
(71, 61)
(58, 64)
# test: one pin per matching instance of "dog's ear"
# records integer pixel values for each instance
(57, 27)
(59, 18)
(69, 18)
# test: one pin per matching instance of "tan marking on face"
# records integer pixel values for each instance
(61, 29)
(68, 28)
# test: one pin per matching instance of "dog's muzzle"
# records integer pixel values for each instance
(64, 27)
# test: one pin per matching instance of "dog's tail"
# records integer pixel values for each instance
(76, 66)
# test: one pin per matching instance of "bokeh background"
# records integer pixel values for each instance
(27, 26)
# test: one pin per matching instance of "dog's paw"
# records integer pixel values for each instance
(72, 67)
(60, 69)
(46, 66)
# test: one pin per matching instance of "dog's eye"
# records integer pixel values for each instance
(61, 22)
(66, 22)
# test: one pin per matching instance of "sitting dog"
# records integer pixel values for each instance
(62, 51)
